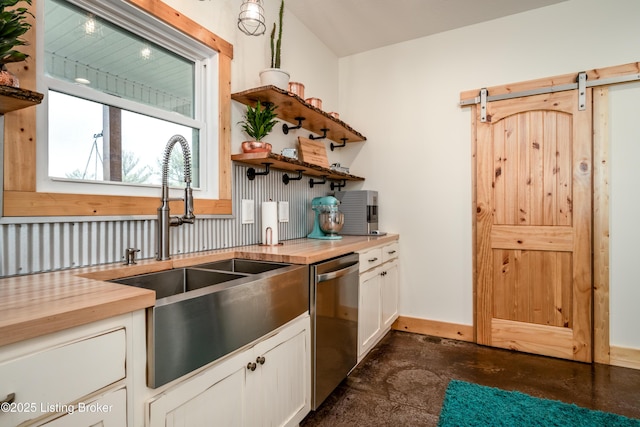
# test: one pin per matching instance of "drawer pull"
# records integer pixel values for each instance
(373, 259)
(9, 399)
(391, 252)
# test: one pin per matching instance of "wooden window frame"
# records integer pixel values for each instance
(20, 196)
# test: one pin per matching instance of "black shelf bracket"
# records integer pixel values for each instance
(251, 172)
(286, 178)
(286, 128)
(344, 144)
(323, 136)
(312, 182)
(338, 185)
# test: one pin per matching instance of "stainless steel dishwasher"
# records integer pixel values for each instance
(334, 323)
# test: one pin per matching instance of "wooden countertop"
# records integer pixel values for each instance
(40, 304)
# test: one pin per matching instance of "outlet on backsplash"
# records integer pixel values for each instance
(283, 211)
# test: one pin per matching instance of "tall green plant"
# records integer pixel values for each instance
(13, 25)
(258, 121)
(275, 53)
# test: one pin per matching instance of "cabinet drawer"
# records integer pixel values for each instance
(109, 410)
(390, 252)
(60, 375)
(370, 258)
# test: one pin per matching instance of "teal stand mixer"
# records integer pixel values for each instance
(328, 219)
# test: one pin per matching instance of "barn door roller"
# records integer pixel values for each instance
(483, 104)
(582, 91)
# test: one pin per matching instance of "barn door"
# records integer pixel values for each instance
(533, 242)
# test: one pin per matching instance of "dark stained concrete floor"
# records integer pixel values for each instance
(403, 380)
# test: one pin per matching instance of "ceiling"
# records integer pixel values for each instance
(348, 27)
(82, 48)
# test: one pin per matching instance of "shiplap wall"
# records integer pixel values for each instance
(46, 246)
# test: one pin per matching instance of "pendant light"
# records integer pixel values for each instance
(251, 18)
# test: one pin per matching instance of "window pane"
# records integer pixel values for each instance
(82, 48)
(91, 141)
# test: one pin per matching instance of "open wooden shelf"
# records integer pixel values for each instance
(12, 98)
(293, 165)
(291, 106)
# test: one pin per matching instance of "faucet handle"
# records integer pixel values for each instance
(188, 217)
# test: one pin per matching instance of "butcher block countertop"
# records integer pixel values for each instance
(40, 304)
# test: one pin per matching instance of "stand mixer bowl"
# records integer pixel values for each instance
(331, 222)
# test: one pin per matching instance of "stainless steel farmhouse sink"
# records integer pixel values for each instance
(177, 281)
(242, 266)
(207, 311)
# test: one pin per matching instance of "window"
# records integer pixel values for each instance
(116, 90)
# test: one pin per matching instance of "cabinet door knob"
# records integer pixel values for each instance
(251, 366)
(260, 360)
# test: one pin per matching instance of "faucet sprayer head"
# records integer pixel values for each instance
(186, 154)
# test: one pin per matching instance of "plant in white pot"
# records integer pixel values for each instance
(258, 122)
(274, 75)
(13, 25)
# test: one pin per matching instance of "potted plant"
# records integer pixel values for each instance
(13, 25)
(258, 122)
(274, 75)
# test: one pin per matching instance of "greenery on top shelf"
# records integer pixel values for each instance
(276, 50)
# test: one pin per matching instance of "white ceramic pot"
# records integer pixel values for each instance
(275, 77)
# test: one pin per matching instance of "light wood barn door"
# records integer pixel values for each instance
(533, 242)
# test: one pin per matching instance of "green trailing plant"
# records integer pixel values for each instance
(259, 120)
(276, 46)
(13, 25)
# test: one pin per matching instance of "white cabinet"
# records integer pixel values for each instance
(109, 410)
(267, 384)
(369, 311)
(76, 377)
(389, 293)
(378, 295)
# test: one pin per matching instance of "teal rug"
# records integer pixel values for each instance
(467, 404)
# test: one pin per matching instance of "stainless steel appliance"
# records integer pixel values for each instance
(360, 209)
(205, 312)
(334, 323)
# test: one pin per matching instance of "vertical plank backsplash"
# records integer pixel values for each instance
(47, 246)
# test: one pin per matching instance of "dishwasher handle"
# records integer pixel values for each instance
(338, 273)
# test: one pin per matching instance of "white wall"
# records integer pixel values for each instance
(624, 214)
(306, 58)
(418, 156)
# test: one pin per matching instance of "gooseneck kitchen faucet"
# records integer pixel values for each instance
(165, 220)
